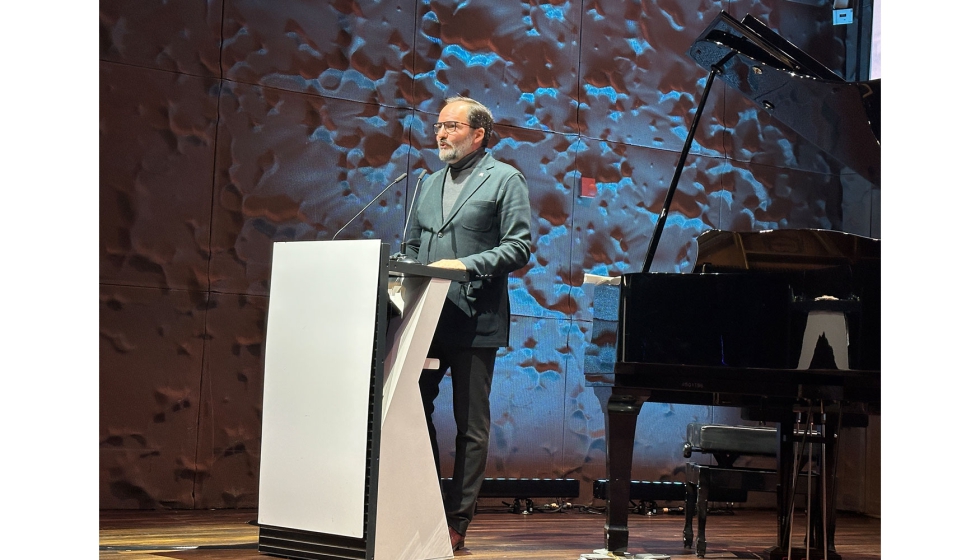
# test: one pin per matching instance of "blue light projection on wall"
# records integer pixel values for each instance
(226, 129)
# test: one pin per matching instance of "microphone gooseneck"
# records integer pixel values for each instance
(411, 205)
(391, 184)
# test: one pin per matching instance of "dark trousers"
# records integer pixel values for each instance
(471, 370)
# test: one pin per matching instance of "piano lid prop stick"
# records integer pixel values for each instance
(659, 229)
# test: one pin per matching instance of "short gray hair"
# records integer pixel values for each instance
(479, 116)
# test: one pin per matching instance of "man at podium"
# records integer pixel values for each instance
(472, 215)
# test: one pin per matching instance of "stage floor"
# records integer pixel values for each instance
(493, 535)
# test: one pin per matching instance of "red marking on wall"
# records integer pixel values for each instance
(588, 187)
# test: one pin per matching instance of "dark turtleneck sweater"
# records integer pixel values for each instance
(456, 178)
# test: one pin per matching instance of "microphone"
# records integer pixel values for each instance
(409, 216)
(400, 177)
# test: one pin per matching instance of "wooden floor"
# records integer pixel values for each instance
(493, 535)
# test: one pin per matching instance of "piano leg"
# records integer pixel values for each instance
(621, 412)
(784, 488)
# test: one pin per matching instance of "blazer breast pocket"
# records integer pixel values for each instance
(477, 215)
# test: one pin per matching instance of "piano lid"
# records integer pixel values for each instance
(842, 118)
(783, 250)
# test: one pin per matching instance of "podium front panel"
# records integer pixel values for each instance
(321, 331)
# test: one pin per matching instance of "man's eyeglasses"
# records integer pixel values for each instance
(450, 126)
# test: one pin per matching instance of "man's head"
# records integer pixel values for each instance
(473, 124)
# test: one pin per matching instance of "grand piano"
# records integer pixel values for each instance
(753, 294)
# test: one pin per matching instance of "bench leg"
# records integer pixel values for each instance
(703, 490)
(690, 503)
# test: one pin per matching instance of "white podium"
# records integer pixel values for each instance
(346, 466)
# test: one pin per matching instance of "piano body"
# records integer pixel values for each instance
(734, 331)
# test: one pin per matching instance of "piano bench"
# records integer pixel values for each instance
(726, 444)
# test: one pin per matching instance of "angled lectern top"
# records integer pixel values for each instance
(346, 466)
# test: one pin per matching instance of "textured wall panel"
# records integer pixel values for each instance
(316, 106)
(638, 84)
(613, 230)
(546, 160)
(584, 441)
(527, 401)
(150, 353)
(156, 161)
(360, 51)
(526, 404)
(297, 167)
(231, 403)
(176, 35)
(519, 58)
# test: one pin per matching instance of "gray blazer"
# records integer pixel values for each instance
(489, 230)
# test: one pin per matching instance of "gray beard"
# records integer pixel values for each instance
(449, 156)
